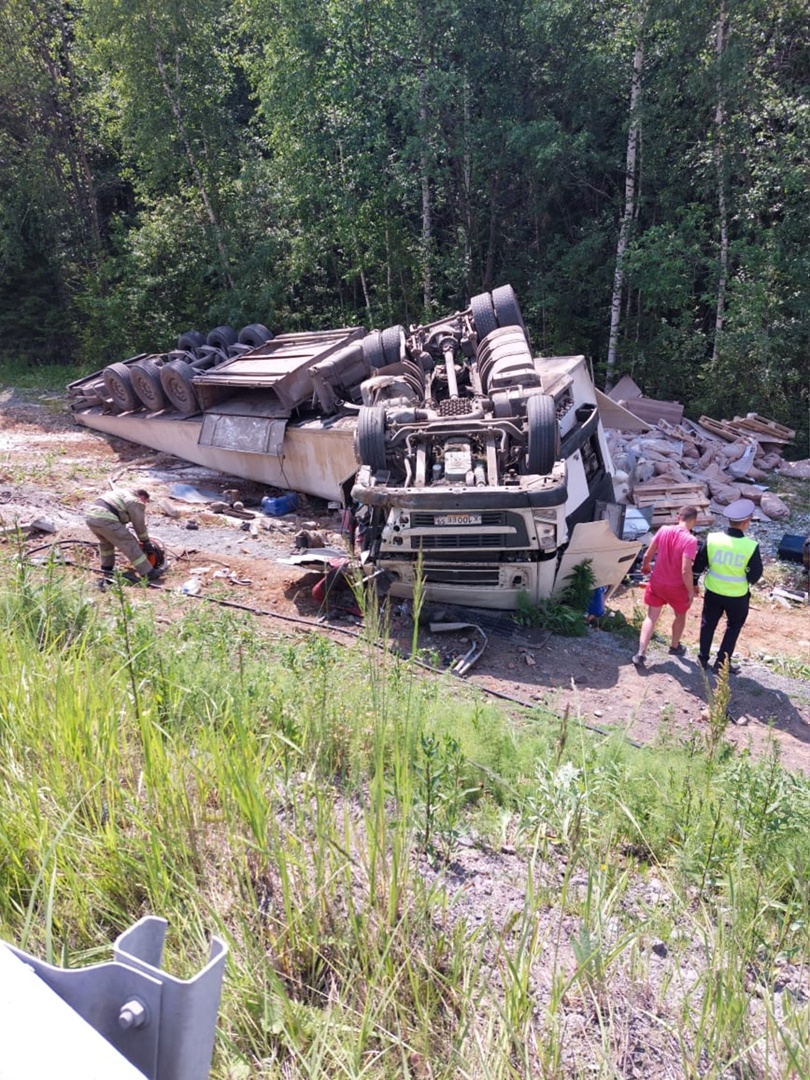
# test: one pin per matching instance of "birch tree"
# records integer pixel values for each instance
(629, 210)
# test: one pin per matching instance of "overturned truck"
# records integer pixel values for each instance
(473, 466)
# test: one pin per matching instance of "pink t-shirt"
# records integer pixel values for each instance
(672, 543)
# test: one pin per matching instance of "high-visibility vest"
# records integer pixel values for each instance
(728, 558)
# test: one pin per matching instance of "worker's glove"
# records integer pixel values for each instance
(148, 547)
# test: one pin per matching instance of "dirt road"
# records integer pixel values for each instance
(50, 468)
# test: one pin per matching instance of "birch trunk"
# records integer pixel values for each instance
(629, 205)
(720, 168)
(427, 218)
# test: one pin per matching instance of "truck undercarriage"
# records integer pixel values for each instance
(480, 465)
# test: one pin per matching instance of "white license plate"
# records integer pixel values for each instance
(457, 519)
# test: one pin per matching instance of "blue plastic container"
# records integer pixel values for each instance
(280, 505)
(597, 604)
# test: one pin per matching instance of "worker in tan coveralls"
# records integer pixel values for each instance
(108, 519)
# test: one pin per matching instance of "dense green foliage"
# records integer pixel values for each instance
(189, 163)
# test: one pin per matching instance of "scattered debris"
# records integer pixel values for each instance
(168, 508)
(709, 464)
(462, 664)
(786, 594)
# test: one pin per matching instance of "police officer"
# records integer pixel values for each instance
(733, 563)
(108, 519)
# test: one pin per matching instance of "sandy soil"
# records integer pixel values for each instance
(50, 468)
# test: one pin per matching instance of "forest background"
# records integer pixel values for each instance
(638, 170)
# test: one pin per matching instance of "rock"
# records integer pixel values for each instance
(42, 525)
(773, 507)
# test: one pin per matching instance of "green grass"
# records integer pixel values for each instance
(47, 378)
(338, 816)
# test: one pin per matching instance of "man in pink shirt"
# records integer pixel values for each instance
(673, 548)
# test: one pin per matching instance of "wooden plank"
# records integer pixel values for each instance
(624, 390)
(662, 484)
(616, 416)
(652, 411)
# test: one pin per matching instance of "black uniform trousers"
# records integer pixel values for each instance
(735, 608)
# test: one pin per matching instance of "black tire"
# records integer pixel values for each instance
(373, 349)
(393, 344)
(370, 443)
(543, 434)
(254, 335)
(175, 378)
(507, 308)
(118, 383)
(190, 340)
(483, 314)
(222, 337)
(145, 377)
(502, 351)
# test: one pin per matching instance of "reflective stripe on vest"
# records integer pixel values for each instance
(728, 558)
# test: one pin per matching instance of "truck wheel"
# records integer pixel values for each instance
(118, 383)
(222, 338)
(254, 335)
(370, 444)
(393, 344)
(191, 340)
(175, 378)
(145, 377)
(544, 434)
(483, 314)
(507, 308)
(373, 349)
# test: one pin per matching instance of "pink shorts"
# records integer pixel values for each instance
(660, 595)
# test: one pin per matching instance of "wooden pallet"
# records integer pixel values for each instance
(764, 429)
(749, 427)
(667, 498)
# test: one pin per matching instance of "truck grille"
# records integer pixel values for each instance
(462, 540)
(471, 537)
(458, 576)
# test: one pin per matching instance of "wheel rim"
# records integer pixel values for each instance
(118, 382)
(177, 384)
(146, 384)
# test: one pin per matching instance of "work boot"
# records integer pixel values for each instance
(155, 573)
(733, 669)
(107, 576)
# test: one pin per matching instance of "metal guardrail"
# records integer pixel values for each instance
(127, 1018)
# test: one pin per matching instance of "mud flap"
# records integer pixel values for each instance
(610, 557)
